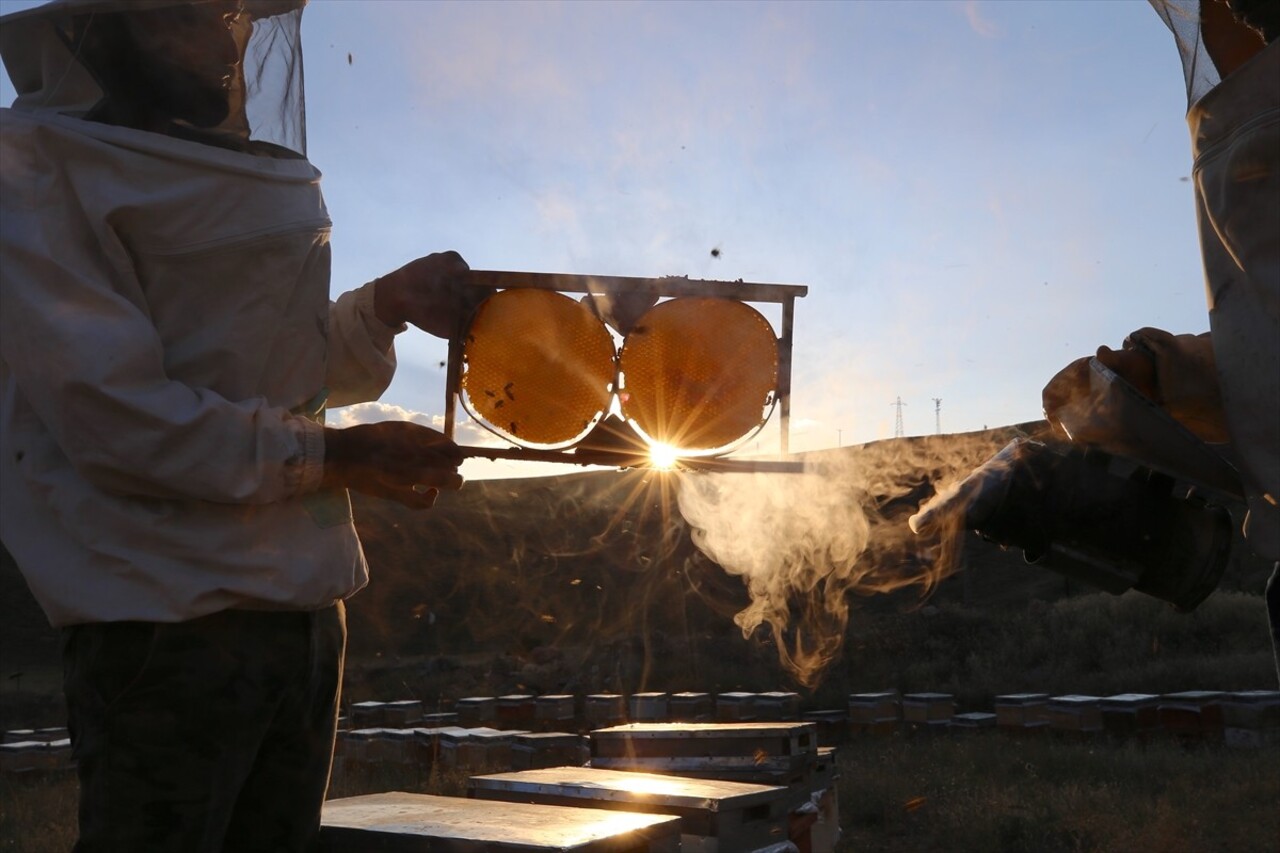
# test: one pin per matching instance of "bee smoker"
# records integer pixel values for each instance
(1103, 519)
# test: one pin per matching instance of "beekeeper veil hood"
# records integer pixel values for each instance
(221, 72)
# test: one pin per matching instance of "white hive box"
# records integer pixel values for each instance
(402, 713)
(690, 707)
(777, 705)
(1192, 714)
(368, 715)
(1251, 718)
(928, 708)
(605, 709)
(1022, 710)
(647, 707)
(1074, 712)
(549, 749)
(717, 816)
(735, 707)
(475, 711)
(764, 753)
(397, 822)
(874, 707)
(1130, 714)
(516, 711)
(974, 721)
(22, 755)
(554, 710)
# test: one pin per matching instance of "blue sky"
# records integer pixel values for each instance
(975, 193)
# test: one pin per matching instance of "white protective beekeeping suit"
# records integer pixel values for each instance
(167, 342)
(1234, 120)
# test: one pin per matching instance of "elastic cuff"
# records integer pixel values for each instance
(305, 470)
(379, 331)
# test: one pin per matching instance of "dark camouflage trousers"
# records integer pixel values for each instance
(209, 735)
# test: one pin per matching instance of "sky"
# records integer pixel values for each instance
(975, 193)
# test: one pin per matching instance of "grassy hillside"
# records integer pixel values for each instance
(592, 582)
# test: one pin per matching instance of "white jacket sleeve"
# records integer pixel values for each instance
(362, 356)
(78, 342)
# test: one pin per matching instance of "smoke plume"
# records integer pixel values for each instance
(804, 543)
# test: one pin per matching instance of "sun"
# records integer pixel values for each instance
(663, 456)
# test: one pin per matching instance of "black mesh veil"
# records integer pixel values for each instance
(1186, 20)
(1183, 20)
(80, 58)
(272, 64)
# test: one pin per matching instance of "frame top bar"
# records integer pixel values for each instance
(662, 286)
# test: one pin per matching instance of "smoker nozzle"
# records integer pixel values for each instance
(1102, 519)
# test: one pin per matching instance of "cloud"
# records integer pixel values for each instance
(466, 431)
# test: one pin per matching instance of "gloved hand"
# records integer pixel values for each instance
(432, 293)
(395, 460)
(1176, 372)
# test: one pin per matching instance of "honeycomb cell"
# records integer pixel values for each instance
(699, 373)
(538, 368)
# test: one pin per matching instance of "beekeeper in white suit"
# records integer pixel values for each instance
(1224, 386)
(167, 349)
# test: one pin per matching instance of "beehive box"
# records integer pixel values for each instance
(377, 746)
(402, 713)
(974, 721)
(52, 733)
(515, 711)
(368, 715)
(1022, 710)
(925, 708)
(21, 756)
(398, 822)
(450, 742)
(735, 707)
(19, 736)
(549, 749)
(1251, 718)
(1252, 709)
(439, 718)
(874, 707)
(717, 816)
(1074, 712)
(814, 804)
(764, 753)
(690, 707)
(426, 745)
(554, 710)
(647, 707)
(874, 713)
(475, 711)
(831, 725)
(605, 709)
(60, 754)
(1129, 714)
(777, 706)
(479, 749)
(1195, 714)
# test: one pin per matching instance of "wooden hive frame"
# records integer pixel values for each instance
(784, 295)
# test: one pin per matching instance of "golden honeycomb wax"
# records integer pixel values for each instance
(699, 373)
(538, 367)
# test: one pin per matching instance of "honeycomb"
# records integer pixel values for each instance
(699, 373)
(539, 368)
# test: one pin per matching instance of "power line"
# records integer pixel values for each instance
(897, 421)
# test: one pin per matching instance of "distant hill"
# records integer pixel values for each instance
(519, 567)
